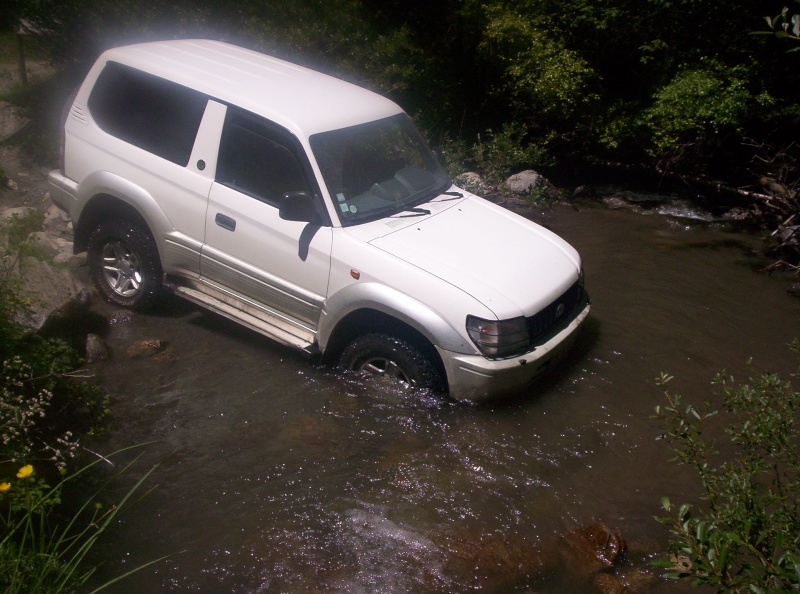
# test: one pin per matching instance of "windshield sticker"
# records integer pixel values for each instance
(353, 209)
(343, 207)
(341, 197)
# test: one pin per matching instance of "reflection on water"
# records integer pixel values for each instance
(276, 476)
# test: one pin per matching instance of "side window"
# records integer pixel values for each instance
(257, 159)
(157, 115)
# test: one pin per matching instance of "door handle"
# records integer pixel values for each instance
(225, 222)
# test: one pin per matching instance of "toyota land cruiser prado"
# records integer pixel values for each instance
(310, 210)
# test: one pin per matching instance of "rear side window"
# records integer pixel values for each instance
(259, 160)
(157, 115)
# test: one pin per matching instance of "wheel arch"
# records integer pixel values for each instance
(367, 321)
(103, 207)
(105, 195)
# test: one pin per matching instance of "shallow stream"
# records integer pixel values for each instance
(276, 476)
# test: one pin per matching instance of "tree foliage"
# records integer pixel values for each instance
(703, 103)
(636, 81)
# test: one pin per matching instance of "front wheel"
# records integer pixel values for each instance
(391, 361)
(124, 264)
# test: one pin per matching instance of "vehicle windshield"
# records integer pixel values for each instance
(378, 169)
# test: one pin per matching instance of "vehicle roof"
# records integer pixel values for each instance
(300, 99)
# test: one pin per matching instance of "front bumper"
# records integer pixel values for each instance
(475, 378)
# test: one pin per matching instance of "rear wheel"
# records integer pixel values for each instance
(124, 264)
(392, 361)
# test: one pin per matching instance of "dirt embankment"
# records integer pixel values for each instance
(26, 183)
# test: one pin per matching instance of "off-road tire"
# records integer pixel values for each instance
(124, 264)
(392, 359)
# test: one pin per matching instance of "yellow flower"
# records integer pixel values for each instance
(25, 471)
(4, 487)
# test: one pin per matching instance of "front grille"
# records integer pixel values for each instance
(550, 316)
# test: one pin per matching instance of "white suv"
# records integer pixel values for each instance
(310, 210)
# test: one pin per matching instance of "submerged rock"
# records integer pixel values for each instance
(586, 558)
(590, 549)
(147, 348)
(496, 561)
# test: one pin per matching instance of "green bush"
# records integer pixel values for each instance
(496, 155)
(545, 79)
(45, 413)
(746, 535)
(43, 408)
(699, 105)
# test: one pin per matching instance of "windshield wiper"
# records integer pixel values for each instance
(417, 212)
(455, 196)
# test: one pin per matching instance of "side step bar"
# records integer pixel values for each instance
(272, 327)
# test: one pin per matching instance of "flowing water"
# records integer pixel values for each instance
(277, 476)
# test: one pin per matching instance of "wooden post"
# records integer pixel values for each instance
(23, 72)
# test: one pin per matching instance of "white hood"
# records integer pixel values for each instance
(477, 246)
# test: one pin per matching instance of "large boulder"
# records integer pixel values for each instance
(52, 295)
(51, 292)
(533, 186)
(473, 182)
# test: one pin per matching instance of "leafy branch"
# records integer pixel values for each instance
(783, 26)
(745, 537)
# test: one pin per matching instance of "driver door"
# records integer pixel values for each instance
(249, 250)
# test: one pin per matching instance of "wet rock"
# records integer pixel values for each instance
(737, 214)
(642, 197)
(147, 348)
(96, 349)
(152, 349)
(122, 316)
(590, 549)
(532, 185)
(617, 203)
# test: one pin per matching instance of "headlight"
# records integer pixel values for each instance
(499, 338)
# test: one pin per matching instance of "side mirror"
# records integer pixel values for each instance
(298, 206)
